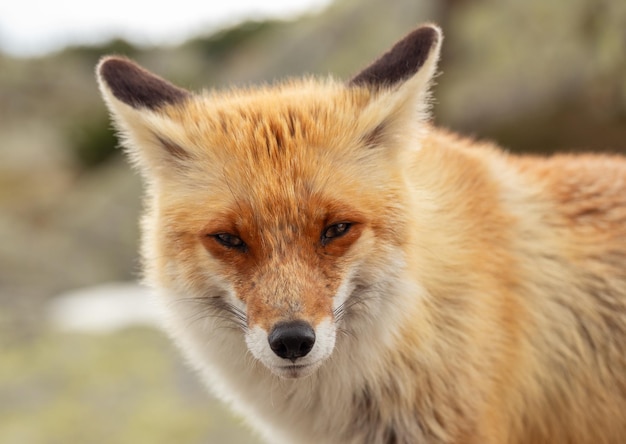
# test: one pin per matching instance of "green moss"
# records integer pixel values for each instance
(126, 388)
(92, 141)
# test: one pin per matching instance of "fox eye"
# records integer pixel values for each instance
(334, 231)
(230, 241)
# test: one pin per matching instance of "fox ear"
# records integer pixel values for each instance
(131, 84)
(417, 52)
(137, 100)
(399, 81)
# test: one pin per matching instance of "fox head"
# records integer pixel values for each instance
(280, 210)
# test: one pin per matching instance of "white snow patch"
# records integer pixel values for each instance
(104, 308)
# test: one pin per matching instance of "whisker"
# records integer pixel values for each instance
(215, 307)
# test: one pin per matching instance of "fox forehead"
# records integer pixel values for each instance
(257, 122)
(286, 130)
(272, 150)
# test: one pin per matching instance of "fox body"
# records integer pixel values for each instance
(340, 271)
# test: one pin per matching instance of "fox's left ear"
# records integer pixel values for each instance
(399, 81)
(415, 55)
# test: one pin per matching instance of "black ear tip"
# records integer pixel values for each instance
(109, 62)
(431, 29)
(429, 33)
(111, 68)
(135, 86)
(403, 60)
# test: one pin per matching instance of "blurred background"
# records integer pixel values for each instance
(81, 358)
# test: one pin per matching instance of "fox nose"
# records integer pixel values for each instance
(292, 340)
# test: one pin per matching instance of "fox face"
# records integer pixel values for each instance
(282, 210)
(284, 241)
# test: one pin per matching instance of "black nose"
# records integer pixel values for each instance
(292, 340)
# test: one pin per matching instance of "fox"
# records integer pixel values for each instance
(340, 270)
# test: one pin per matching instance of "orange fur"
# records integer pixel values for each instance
(457, 294)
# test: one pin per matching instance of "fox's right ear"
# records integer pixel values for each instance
(139, 102)
(136, 87)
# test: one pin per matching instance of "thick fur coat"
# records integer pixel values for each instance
(340, 271)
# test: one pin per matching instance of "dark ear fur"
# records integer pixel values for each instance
(402, 61)
(136, 86)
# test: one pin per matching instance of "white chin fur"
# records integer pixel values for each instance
(258, 344)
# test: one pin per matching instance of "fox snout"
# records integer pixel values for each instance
(292, 348)
(291, 324)
(292, 340)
